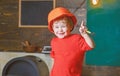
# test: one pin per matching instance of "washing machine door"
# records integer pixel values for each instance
(26, 66)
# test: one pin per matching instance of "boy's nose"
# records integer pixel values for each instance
(60, 29)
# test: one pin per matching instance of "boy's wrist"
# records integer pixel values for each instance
(85, 35)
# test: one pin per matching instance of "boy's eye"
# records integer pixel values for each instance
(56, 27)
(63, 26)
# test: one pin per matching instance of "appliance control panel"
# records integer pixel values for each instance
(46, 49)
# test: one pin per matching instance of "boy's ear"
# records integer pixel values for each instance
(71, 28)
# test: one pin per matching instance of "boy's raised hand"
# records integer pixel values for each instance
(83, 28)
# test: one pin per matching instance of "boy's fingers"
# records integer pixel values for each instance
(82, 23)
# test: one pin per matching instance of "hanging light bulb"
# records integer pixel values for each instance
(95, 2)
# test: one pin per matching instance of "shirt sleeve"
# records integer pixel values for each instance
(52, 50)
(52, 54)
(83, 45)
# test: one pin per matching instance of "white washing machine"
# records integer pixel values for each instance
(10, 58)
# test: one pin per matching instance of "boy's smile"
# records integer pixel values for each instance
(60, 28)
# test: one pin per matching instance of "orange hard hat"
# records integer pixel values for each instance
(58, 13)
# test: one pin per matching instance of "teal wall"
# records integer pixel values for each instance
(104, 20)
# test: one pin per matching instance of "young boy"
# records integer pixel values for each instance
(67, 49)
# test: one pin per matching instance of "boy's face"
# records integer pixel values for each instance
(61, 29)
